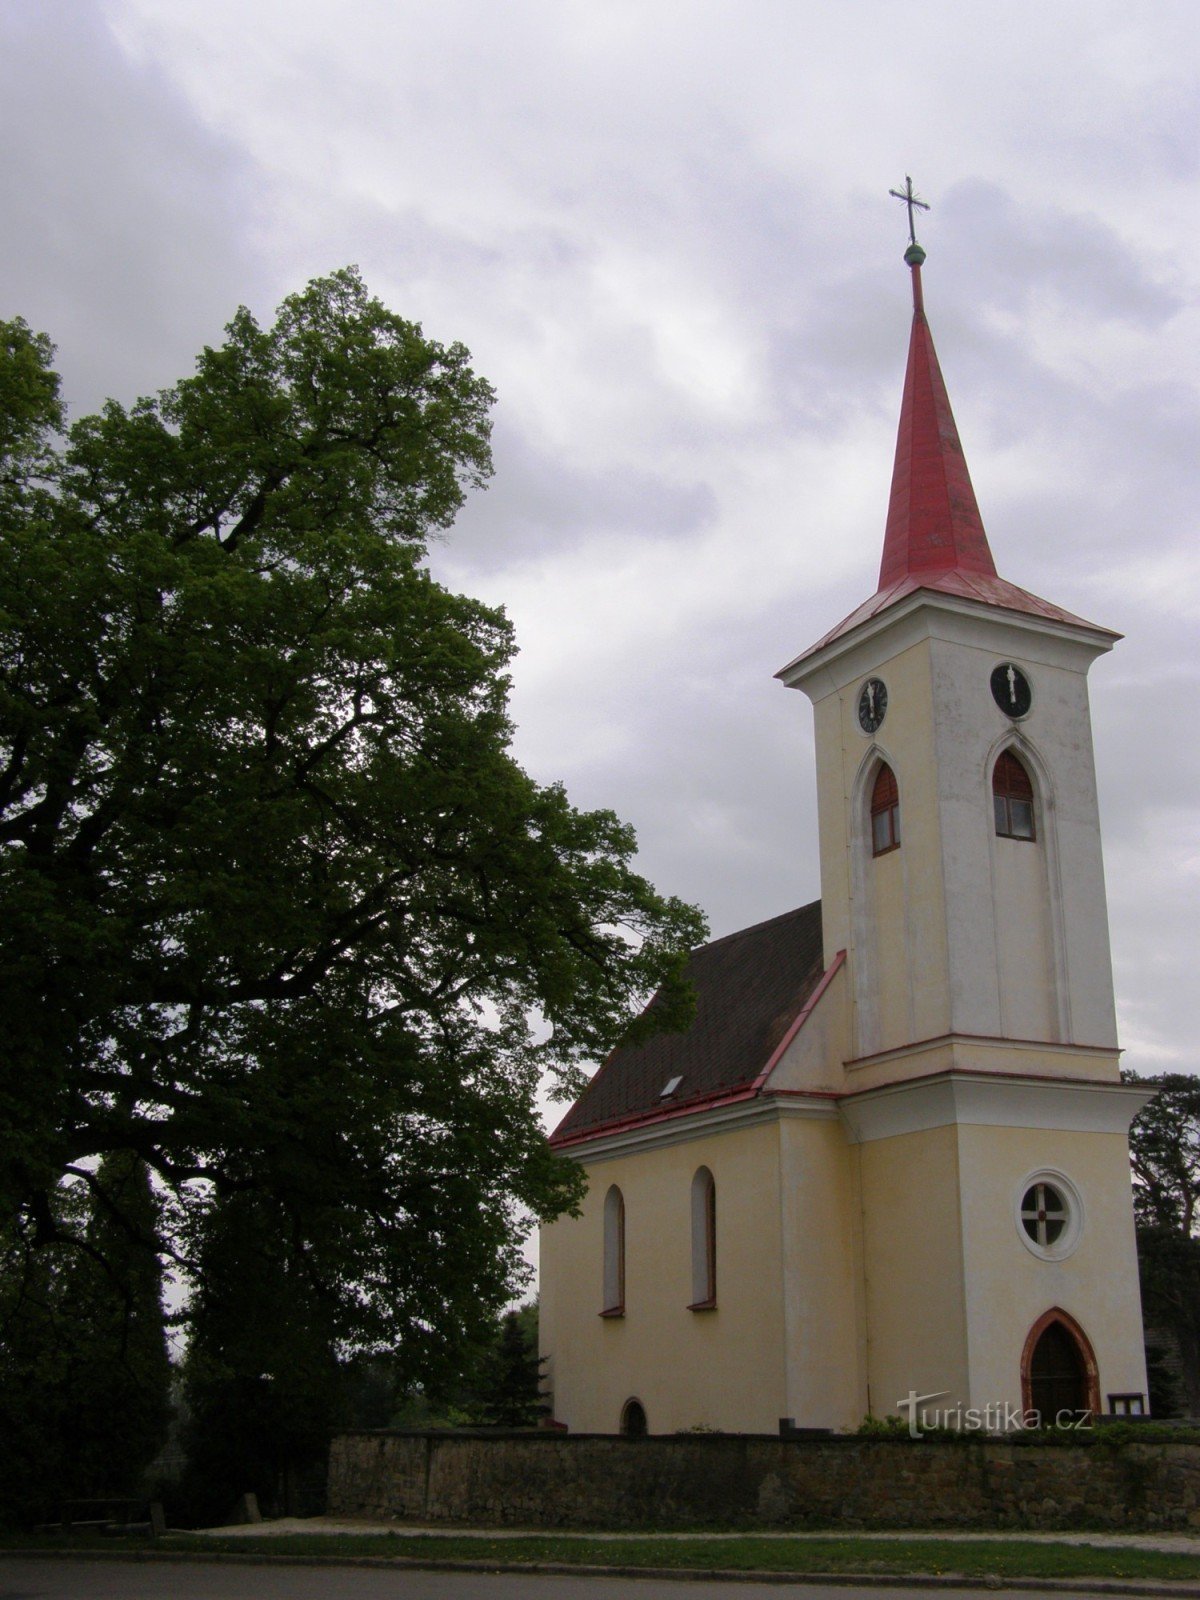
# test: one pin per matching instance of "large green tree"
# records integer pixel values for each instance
(279, 913)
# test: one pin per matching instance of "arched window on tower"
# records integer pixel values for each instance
(1012, 796)
(704, 1241)
(614, 1253)
(885, 812)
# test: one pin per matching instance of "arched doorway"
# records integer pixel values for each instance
(633, 1420)
(1059, 1377)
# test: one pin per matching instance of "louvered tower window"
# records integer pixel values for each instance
(885, 812)
(1012, 796)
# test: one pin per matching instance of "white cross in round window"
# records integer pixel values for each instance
(1043, 1214)
(1049, 1214)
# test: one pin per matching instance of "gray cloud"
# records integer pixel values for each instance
(128, 229)
(664, 232)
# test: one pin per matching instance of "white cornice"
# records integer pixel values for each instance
(928, 613)
(976, 1041)
(700, 1124)
(990, 1100)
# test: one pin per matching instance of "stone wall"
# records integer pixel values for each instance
(551, 1480)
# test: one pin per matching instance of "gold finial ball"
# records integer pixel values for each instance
(914, 255)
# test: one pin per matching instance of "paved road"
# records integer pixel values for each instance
(25, 1579)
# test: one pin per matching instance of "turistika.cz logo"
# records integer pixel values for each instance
(999, 1416)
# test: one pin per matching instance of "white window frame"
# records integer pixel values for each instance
(1068, 1240)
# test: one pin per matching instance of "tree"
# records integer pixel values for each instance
(84, 1369)
(1164, 1145)
(511, 1373)
(261, 1376)
(279, 913)
(119, 1390)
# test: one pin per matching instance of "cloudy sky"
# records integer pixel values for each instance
(663, 229)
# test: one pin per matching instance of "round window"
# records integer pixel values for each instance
(1049, 1215)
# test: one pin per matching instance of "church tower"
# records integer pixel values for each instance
(960, 841)
(886, 1166)
(961, 872)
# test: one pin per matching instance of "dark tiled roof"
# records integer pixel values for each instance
(750, 987)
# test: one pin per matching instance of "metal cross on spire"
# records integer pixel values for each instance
(910, 200)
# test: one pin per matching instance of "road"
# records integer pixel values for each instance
(23, 1578)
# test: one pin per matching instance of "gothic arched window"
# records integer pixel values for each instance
(704, 1241)
(885, 812)
(1012, 796)
(614, 1253)
(633, 1420)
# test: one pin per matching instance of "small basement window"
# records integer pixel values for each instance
(885, 812)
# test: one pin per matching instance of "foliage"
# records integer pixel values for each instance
(1161, 1383)
(1169, 1268)
(890, 1427)
(1164, 1145)
(497, 1384)
(84, 1369)
(279, 913)
(261, 1377)
(511, 1375)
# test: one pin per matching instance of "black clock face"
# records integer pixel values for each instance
(1010, 690)
(872, 704)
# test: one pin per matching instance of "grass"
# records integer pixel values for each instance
(1001, 1557)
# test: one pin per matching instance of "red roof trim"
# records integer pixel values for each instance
(993, 594)
(715, 1101)
(803, 1094)
(641, 1119)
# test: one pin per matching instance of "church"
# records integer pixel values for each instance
(885, 1170)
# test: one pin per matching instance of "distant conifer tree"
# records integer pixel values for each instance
(510, 1390)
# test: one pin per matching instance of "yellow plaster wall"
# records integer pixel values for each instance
(887, 911)
(825, 1350)
(718, 1369)
(912, 1267)
(890, 951)
(813, 1060)
(1024, 941)
(1008, 1287)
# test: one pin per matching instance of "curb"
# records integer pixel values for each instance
(560, 1569)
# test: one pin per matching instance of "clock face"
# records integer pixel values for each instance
(872, 704)
(1010, 690)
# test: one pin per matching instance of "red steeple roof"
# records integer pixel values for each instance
(933, 522)
(934, 539)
